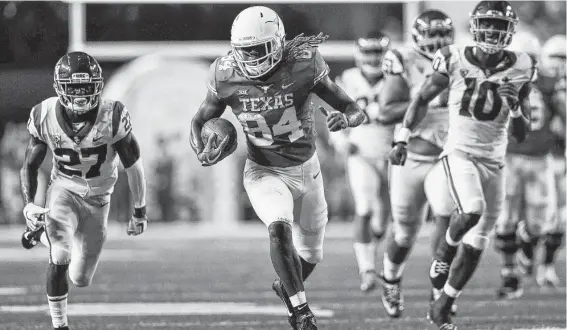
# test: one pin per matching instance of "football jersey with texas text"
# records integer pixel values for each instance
(274, 113)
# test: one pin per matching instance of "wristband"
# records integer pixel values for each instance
(403, 135)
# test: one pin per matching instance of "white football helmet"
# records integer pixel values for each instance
(525, 41)
(257, 38)
(554, 55)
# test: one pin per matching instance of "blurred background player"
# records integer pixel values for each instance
(267, 82)
(366, 149)
(531, 200)
(406, 70)
(552, 68)
(85, 134)
(488, 85)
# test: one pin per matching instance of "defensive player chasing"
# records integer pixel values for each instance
(266, 82)
(366, 149)
(406, 70)
(488, 85)
(530, 202)
(84, 133)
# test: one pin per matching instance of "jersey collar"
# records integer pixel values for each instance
(507, 61)
(65, 123)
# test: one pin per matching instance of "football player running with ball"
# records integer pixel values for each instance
(531, 199)
(85, 134)
(266, 81)
(488, 85)
(406, 69)
(366, 149)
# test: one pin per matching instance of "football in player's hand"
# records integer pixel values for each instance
(222, 128)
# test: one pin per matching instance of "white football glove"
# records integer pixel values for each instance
(136, 226)
(34, 216)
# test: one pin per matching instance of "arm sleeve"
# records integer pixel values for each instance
(137, 183)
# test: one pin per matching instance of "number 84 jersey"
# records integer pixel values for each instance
(478, 116)
(84, 159)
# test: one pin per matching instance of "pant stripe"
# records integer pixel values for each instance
(452, 188)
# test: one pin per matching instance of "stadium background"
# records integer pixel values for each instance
(163, 91)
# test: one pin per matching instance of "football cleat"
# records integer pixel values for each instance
(306, 321)
(392, 298)
(440, 315)
(435, 294)
(369, 281)
(31, 238)
(511, 287)
(547, 277)
(62, 328)
(439, 273)
(278, 288)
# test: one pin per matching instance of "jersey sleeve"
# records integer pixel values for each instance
(121, 122)
(442, 61)
(393, 63)
(34, 123)
(212, 78)
(320, 67)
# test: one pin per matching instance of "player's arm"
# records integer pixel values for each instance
(212, 107)
(394, 99)
(349, 113)
(128, 150)
(559, 103)
(35, 154)
(520, 110)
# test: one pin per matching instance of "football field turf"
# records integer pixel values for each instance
(169, 280)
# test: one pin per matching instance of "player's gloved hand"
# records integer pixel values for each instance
(34, 216)
(210, 155)
(137, 225)
(336, 121)
(398, 154)
(509, 92)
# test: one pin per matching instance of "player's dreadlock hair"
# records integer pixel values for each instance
(295, 47)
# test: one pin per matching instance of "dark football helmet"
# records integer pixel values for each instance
(78, 81)
(369, 51)
(493, 23)
(431, 31)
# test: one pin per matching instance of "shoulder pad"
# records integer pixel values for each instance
(393, 62)
(309, 64)
(443, 59)
(220, 71)
(120, 117)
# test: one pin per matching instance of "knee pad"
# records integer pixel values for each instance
(475, 206)
(309, 244)
(463, 223)
(478, 242)
(60, 254)
(80, 280)
(405, 230)
(553, 240)
(506, 243)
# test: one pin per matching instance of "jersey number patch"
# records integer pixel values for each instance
(478, 109)
(261, 135)
(69, 158)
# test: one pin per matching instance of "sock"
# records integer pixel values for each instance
(464, 266)
(394, 260)
(365, 256)
(306, 268)
(58, 310)
(298, 299)
(446, 249)
(528, 241)
(552, 244)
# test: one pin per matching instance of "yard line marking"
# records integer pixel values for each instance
(12, 291)
(192, 308)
